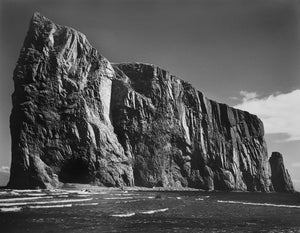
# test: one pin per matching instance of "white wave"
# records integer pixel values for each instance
(22, 199)
(48, 206)
(87, 204)
(9, 193)
(178, 198)
(36, 194)
(45, 202)
(154, 211)
(126, 194)
(150, 197)
(58, 194)
(118, 202)
(259, 204)
(199, 199)
(231, 202)
(79, 192)
(83, 195)
(4, 193)
(117, 198)
(64, 196)
(10, 209)
(26, 190)
(123, 215)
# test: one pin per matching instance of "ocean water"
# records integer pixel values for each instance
(114, 210)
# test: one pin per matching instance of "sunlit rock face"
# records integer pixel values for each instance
(280, 176)
(60, 125)
(77, 118)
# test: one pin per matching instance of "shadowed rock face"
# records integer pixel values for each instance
(77, 118)
(280, 176)
(178, 137)
(60, 123)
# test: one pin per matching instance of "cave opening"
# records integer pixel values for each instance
(125, 179)
(138, 181)
(75, 171)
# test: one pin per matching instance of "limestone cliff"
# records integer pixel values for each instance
(60, 125)
(77, 118)
(178, 137)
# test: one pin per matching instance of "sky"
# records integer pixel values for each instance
(239, 52)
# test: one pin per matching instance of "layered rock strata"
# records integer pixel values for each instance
(77, 118)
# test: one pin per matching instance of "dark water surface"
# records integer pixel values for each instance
(147, 211)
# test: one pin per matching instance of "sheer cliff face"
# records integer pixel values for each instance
(60, 125)
(77, 118)
(178, 137)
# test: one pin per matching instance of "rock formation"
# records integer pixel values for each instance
(178, 137)
(77, 118)
(60, 124)
(281, 179)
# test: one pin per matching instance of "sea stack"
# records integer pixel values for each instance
(78, 118)
(281, 179)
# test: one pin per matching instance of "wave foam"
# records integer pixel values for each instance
(48, 206)
(118, 202)
(117, 198)
(82, 192)
(259, 204)
(10, 193)
(44, 202)
(10, 209)
(36, 194)
(62, 196)
(22, 199)
(126, 194)
(58, 194)
(154, 211)
(87, 204)
(123, 215)
(26, 190)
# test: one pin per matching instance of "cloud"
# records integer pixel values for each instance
(5, 169)
(248, 95)
(279, 112)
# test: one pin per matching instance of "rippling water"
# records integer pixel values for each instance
(113, 210)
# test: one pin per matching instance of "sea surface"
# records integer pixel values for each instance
(116, 210)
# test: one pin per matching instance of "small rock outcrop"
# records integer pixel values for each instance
(281, 179)
(78, 118)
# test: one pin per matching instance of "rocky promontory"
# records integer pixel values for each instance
(77, 118)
